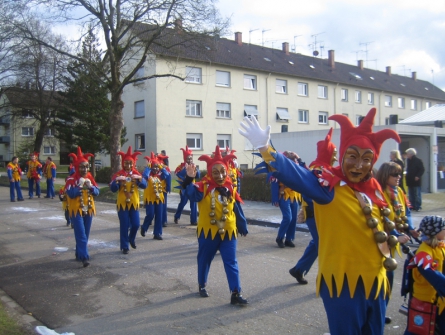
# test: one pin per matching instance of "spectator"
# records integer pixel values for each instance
(164, 158)
(414, 172)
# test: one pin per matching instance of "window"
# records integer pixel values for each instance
(344, 94)
(223, 141)
(193, 108)
(414, 104)
(358, 119)
(194, 141)
(284, 128)
(139, 109)
(358, 97)
(370, 98)
(303, 89)
(192, 75)
(49, 132)
(281, 86)
(139, 74)
(140, 141)
(249, 82)
(26, 114)
(388, 101)
(323, 117)
(322, 92)
(49, 150)
(223, 78)
(401, 102)
(303, 116)
(250, 110)
(223, 110)
(283, 114)
(27, 131)
(427, 104)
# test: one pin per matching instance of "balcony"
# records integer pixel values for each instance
(4, 139)
(4, 121)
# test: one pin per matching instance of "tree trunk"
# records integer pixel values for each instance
(116, 125)
(39, 139)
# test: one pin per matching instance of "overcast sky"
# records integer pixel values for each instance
(408, 35)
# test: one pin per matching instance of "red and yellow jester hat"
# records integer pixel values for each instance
(216, 159)
(186, 152)
(129, 156)
(362, 135)
(79, 158)
(34, 154)
(152, 159)
(325, 149)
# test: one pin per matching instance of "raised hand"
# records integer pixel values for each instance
(191, 170)
(254, 133)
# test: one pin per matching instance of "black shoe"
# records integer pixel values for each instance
(203, 292)
(67, 224)
(38, 196)
(125, 251)
(133, 245)
(157, 237)
(85, 263)
(387, 320)
(142, 232)
(46, 197)
(194, 223)
(298, 276)
(176, 220)
(237, 299)
(280, 242)
(289, 243)
(12, 200)
(21, 199)
(164, 225)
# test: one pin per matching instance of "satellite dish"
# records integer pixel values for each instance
(315, 53)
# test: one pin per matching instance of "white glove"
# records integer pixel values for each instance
(88, 183)
(253, 132)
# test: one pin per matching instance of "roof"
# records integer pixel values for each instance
(30, 99)
(225, 52)
(427, 116)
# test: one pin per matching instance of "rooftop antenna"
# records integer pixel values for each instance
(314, 45)
(321, 51)
(356, 54)
(295, 44)
(366, 50)
(262, 36)
(250, 32)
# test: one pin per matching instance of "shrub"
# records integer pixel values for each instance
(103, 175)
(255, 187)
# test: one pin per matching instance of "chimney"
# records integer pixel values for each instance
(360, 64)
(388, 70)
(178, 25)
(414, 76)
(331, 59)
(239, 38)
(286, 48)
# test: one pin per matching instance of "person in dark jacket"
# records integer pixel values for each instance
(414, 172)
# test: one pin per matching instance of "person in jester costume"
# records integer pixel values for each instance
(348, 204)
(163, 160)
(127, 183)
(220, 221)
(81, 188)
(181, 173)
(34, 174)
(157, 178)
(14, 175)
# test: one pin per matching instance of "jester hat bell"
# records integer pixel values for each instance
(79, 158)
(129, 156)
(362, 135)
(217, 159)
(152, 159)
(186, 152)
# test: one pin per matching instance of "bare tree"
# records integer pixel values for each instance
(130, 29)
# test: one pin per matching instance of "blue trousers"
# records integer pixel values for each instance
(181, 205)
(153, 211)
(289, 209)
(311, 252)
(206, 252)
(15, 185)
(31, 187)
(415, 197)
(129, 225)
(164, 209)
(82, 226)
(67, 216)
(50, 188)
(357, 315)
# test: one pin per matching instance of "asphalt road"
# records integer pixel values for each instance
(153, 289)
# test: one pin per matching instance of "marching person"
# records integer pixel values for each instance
(81, 188)
(219, 221)
(14, 175)
(127, 183)
(49, 171)
(34, 174)
(348, 203)
(163, 159)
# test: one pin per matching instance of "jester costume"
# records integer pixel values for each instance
(158, 181)
(181, 174)
(14, 175)
(34, 174)
(352, 277)
(127, 201)
(219, 223)
(49, 172)
(80, 189)
(164, 161)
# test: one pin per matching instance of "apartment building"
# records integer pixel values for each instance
(226, 80)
